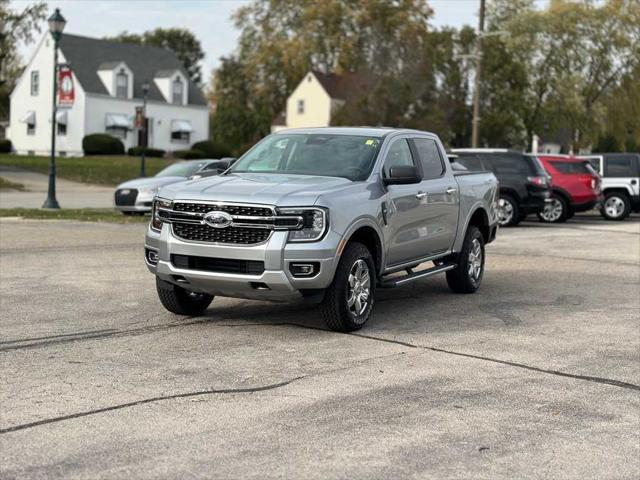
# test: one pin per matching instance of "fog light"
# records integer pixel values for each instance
(152, 256)
(304, 269)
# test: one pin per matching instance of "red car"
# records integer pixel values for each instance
(575, 185)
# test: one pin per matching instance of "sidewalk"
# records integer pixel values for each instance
(69, 194)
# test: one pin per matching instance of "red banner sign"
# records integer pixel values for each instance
(66, 92)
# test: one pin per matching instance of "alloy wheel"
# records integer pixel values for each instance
(359, 288)
(614, 206)
(474, 262)
(552, 210)
(505, 211)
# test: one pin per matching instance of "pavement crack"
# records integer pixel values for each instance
(111, 408)
(588, 378)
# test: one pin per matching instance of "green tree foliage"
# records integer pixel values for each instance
(181, 41)
(15, 27)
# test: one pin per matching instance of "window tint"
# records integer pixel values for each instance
(470, 161)
(507, 163)
(399, 155)
(620, 166)
(430, 158)
(571, 167)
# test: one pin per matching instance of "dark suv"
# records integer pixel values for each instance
(525, 186)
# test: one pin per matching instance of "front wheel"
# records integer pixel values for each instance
(348, 301)
(467, 275)
(555, 211)
(181, 301)
(508, 211)
(616, 206)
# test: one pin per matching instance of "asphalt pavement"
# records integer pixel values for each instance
(537, 375)
(69, 194)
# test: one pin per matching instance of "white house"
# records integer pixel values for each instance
(316, 99)
(108, 78)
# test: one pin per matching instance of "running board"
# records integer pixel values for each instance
(410, 277)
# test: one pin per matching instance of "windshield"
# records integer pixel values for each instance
(181, 169)
(347, 156)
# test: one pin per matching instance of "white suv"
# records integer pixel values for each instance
(620, 174)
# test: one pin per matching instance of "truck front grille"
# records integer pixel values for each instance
(126, 197)
(236, 235)
(220, 265)
(230, 209)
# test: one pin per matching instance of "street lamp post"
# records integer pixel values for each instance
(56, 26)
(145, 93)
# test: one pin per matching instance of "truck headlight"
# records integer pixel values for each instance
(315, 222)
(156, 219)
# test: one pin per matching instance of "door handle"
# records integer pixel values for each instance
(451, 191)
(421, 195)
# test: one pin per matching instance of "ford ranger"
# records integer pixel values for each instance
(324, 214)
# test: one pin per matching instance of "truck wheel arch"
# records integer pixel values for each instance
(366, 232)
(479, 219)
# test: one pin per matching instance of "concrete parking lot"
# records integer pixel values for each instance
(535, 376)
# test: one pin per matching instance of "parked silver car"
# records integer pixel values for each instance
(136, 196)
(325, 214)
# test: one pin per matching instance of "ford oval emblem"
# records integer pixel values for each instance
(217, 219)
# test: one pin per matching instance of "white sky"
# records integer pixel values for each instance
(209, 20)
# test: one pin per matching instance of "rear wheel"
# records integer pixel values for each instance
(348, 301)
(508, 211)
(555, 211)
(616, 206)
(180, 300)
(467, 276)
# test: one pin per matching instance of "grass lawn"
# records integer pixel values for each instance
(99, 170)
(9, 185)
(82, 214)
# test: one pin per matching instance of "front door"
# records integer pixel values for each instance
(406, 215)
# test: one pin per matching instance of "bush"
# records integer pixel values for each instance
(148, 151)
(5, 146)
(189, 154)
(102, 144)
(211, 149)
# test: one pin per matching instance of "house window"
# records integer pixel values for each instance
(31, 128)
(62, 129)
(117, 132)
(122, 85)
(182, 137)
(300, 107)
(177, 91)
(35, 83)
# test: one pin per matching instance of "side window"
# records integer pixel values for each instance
(472, 162)
(619, 166)
(507, 164)
(432, 166)
(399, 155)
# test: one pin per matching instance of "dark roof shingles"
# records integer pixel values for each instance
(86, 55)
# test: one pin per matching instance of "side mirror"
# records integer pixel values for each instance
(402, 176)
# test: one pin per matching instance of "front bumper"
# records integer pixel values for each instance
(275, 283)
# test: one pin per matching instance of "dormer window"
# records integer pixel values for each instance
(122, 84)
(177, 91)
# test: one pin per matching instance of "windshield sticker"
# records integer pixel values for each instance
(370, 142)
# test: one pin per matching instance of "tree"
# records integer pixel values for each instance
(179, 40)
(280, 41)
(15, 27)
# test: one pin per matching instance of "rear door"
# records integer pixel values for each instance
(441, 203)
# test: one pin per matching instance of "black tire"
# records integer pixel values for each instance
(181, 301)
(616, 206)
(509, 214)
(129, 214)
(550, 214)
(460, 279)
(335, 308)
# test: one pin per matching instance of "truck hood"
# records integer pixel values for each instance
(271, 189)
(150, 182)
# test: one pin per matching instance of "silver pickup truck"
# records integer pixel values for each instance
(323, 214)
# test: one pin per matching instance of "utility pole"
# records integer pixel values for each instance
(475, 127)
